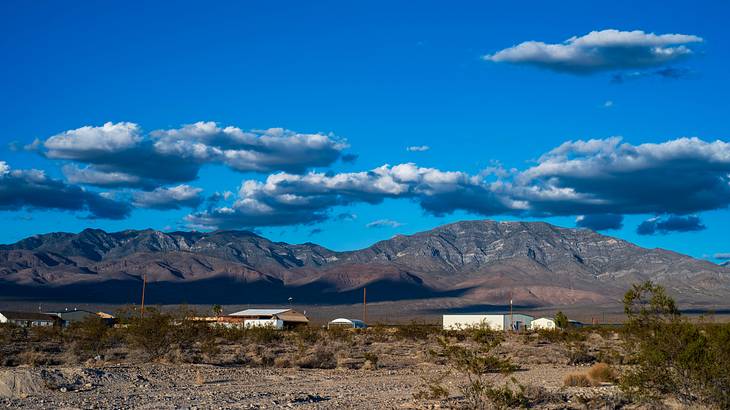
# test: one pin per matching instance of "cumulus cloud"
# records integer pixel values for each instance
(32, 189)
(600, 51)
(384, 223)
(418, 148)
(608, 104)
(671, 223)
(722, 256)
(600, 222)
(288, 199)
(177, 197)
(120, 154)
(681, 176)
(598, 179)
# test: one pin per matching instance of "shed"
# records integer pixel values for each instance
(274, 318)
(543, 323)
(516, 321)
(347, 323)
(29, 319)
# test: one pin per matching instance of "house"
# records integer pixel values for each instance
(507, 321)
(78, 315)
(274, 318)
(29, 319)
(543, 323)
(347, 323)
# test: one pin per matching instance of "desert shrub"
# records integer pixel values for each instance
(90, 337)
(578, 354)
(473, 363)
(577, 380)
(282, 362)
(372, 358)
(484, 334)
(508, 397)
(45, 334)
(673, 356)
(432, 388)
(560, 336)
(561, 321)
(36, 357)
(417, 331)
(11, 333)
(152, 334)
(602, 372)
(307, 335)
(341, 334)
(321, 358)
(264, 335)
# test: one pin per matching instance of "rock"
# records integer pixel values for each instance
(19, 383)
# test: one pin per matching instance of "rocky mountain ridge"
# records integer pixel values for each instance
(476, 261)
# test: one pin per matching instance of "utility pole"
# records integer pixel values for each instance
(364, 304)
(144, 285)
(511, 314)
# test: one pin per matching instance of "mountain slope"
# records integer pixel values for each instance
(478, 261)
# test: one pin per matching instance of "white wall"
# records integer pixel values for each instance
(272, 323)
(456, 322)
(543, 323)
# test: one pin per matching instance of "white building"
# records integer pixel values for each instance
(29, 319)
(349, 323)
(515, 321)
(273, 318)
(543, 323)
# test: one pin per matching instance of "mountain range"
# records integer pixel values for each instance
(472, 262)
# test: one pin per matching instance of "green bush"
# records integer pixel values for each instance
(90, 336)
(152, 334)
(417, 331)
(473, 363)
(673, 356)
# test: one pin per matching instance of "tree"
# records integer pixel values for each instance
(647, 306)
(561, 321)
(217, 309)
(674, 356)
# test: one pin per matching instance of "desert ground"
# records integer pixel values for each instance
(380, 367)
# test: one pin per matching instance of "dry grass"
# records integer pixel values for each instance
(577, 380)
(601, 372)
(199, 378)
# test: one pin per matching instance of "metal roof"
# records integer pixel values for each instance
(259, 312)
(12, 315)
(343, 320)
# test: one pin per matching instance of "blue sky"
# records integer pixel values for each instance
(376, 77)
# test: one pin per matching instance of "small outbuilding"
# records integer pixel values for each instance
(29, 319)
(347, 323)
(273, 318)
(516, 321)
(543, 323)
(78, 315)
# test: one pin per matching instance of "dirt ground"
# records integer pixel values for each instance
(159, 386)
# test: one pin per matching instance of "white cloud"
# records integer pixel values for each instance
(601, 179)
(108, 138)
(120, 155)
(169, 198)
(4, 168)
(384, 223)
(608, 104)
(599, 51)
